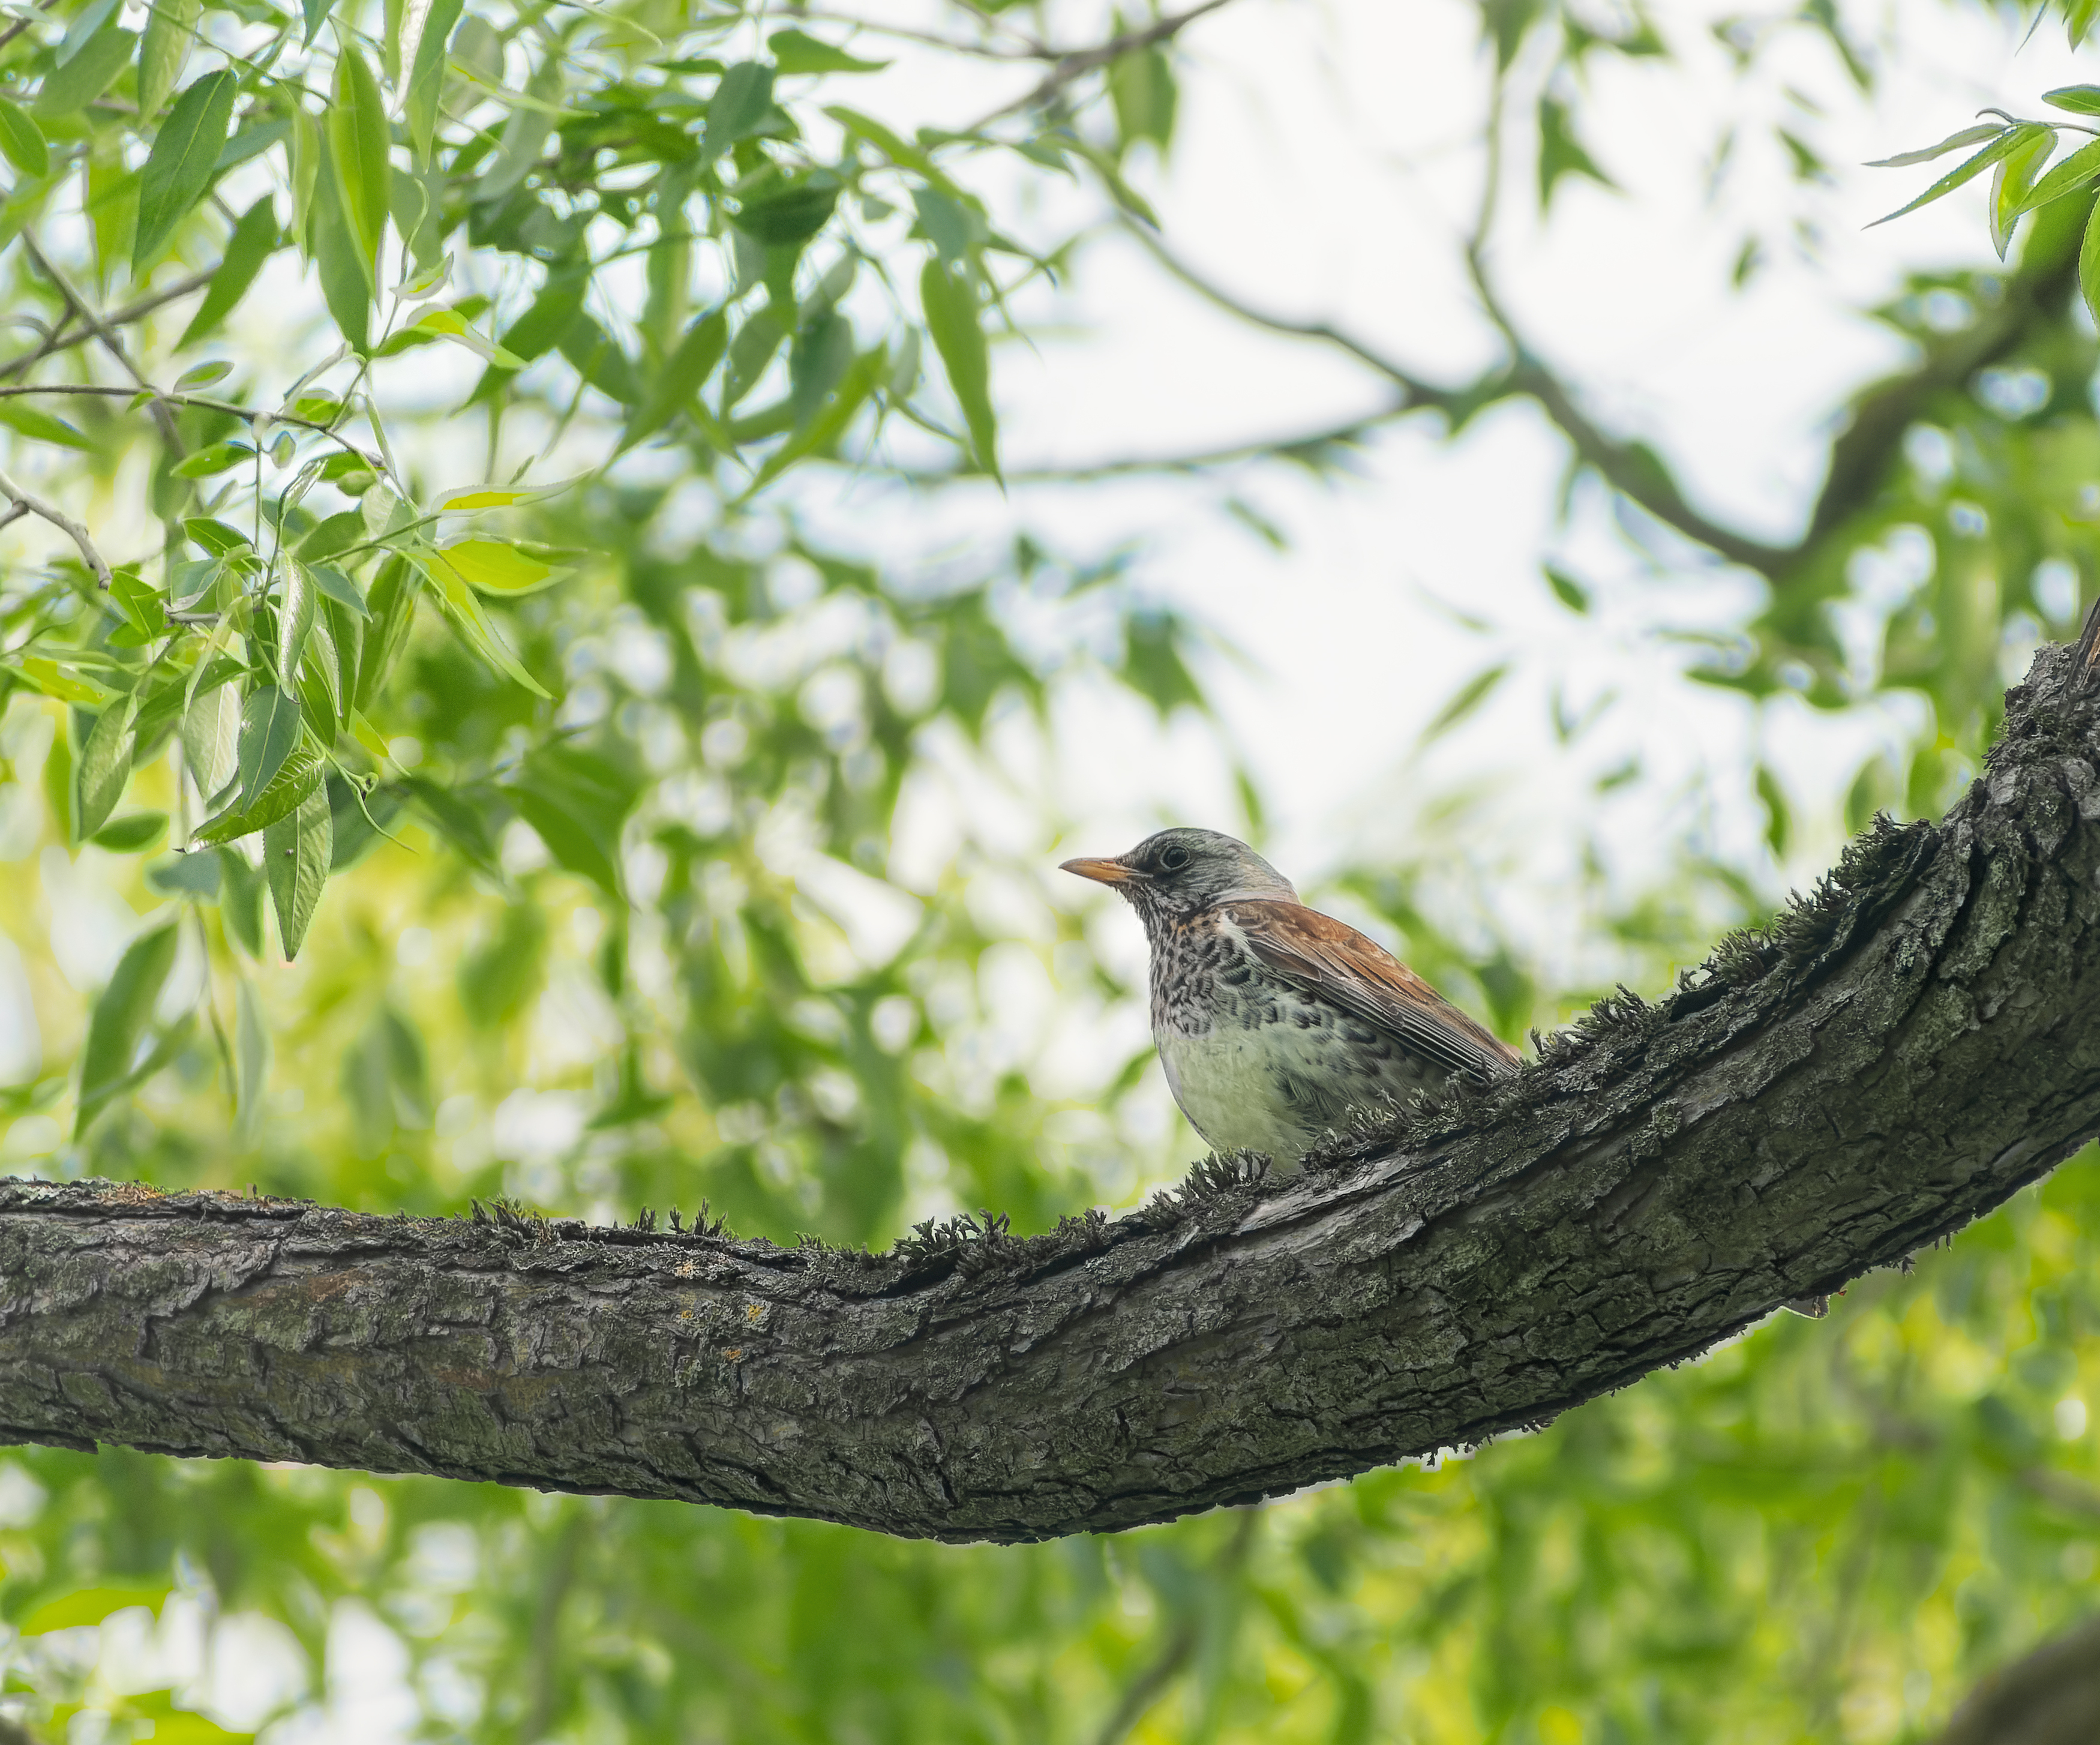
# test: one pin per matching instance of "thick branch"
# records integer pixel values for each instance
(1897, 1055)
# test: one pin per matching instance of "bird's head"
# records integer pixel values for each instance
(1177, 872)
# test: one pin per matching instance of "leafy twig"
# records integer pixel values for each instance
(1077, 62)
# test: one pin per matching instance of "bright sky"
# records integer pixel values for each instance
(1327, 163)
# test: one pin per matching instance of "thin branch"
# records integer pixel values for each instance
(21, 25)
(1632, 469)
(1031, 50)
(1080, 62)
(28, 502)
(59, 340)
(1146, 1689)
(108, 335)
(1306, 449)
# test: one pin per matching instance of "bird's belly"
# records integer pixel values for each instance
(1276, 1087)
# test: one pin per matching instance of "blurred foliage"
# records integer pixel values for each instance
(634, 845)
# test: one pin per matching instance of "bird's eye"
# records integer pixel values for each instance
(1174, 858)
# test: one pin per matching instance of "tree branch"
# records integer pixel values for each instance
(1897, 1055)
(59, 340)
(107, 334)
(24, 503)
(1077, 62)
(1860, 459)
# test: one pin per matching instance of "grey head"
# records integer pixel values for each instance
(1168, 877)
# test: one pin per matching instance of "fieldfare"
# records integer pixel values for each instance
(1274, 1021)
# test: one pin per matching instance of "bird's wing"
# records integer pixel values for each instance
(1331, 960)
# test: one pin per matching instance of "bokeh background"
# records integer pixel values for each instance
(1464, 693)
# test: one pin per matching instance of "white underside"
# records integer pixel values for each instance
(1225, 1081)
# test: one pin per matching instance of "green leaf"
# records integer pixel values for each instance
(296, 849)
(2014, 178)
(2088, 264)
(163, 50)
(952, 321)
(2080, 99)
(684, 372)
(455, 600)
(2006, 142)
(448, 324)
(22, 141)
(358, 152)
(794, 52)
(300, 774)
(215, 536)
(577, 802)
(316, 12)
(1142, 91)
(1468, 697)
(495, 567)
(180, 168)
(41, 426)
(211, 740)
(1778, 818)
(92, 1605)
(54, 680)
(105, 763)
(2078, 16)
(295, 619)
(339, 588)
(426, 77)
(193, 876)
(133, 833)
(346, 273)
(1952, 142)
(791, 213)
(86, 76)
(525, 134)
(255, 238)
(114, 1031)
(946, 222)
(214, 459)
(269, 730)
(742, 96)
(1560, 153)
(828, 425)
(2074, 173)
(1568, 591)
(203, 375)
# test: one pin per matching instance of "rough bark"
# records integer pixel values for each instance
(1895, 1056)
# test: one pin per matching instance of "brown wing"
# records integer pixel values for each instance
(1332, 960)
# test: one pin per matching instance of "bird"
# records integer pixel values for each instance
(1274, 1021)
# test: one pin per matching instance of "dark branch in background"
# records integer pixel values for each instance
(1896, 1055)
(1860, 459)
(1151, 1684)
(2052, 1697)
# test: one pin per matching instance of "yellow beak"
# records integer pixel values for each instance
(1101, 871)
